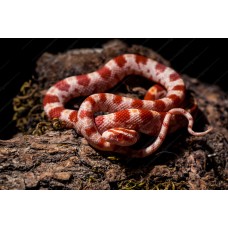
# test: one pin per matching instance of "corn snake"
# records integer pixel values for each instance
(118, 129)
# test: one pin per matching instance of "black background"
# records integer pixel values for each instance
(205, 59)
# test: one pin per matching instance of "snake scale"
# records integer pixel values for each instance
(126, 117)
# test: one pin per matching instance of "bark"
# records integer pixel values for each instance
(61, 159)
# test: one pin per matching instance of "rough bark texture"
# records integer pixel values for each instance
(61, 159)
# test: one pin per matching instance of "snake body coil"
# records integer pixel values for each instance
(119, 129)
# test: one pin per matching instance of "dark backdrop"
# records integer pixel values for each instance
(205, 59)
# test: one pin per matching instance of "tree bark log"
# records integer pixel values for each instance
(63, 160)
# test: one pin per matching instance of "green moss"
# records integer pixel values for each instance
(28, 111)
(92, 179)
(113, 158)
(133, 184)
(170, 185)
(27, 105)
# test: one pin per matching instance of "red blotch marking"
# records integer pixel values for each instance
(62, 85)
(145, 116)
(84, 114)
(117, 99)
(165, 124)
(141, 59)
(179, 87)
(137, 103)
(99, 120)
(174, 77)
(104, 72)
(120, 61)
(102, 97)
(161, 137)
(101, 143)
(149, 96)
(91, 100)
(159, 105)
(76, 92)
(50, 99)
(159, 88)
(122, 116)
(160, 68)
(176, 100)
(73, 117)
(190, 119)
(83, 80)
(90, 131)
(55, 112)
